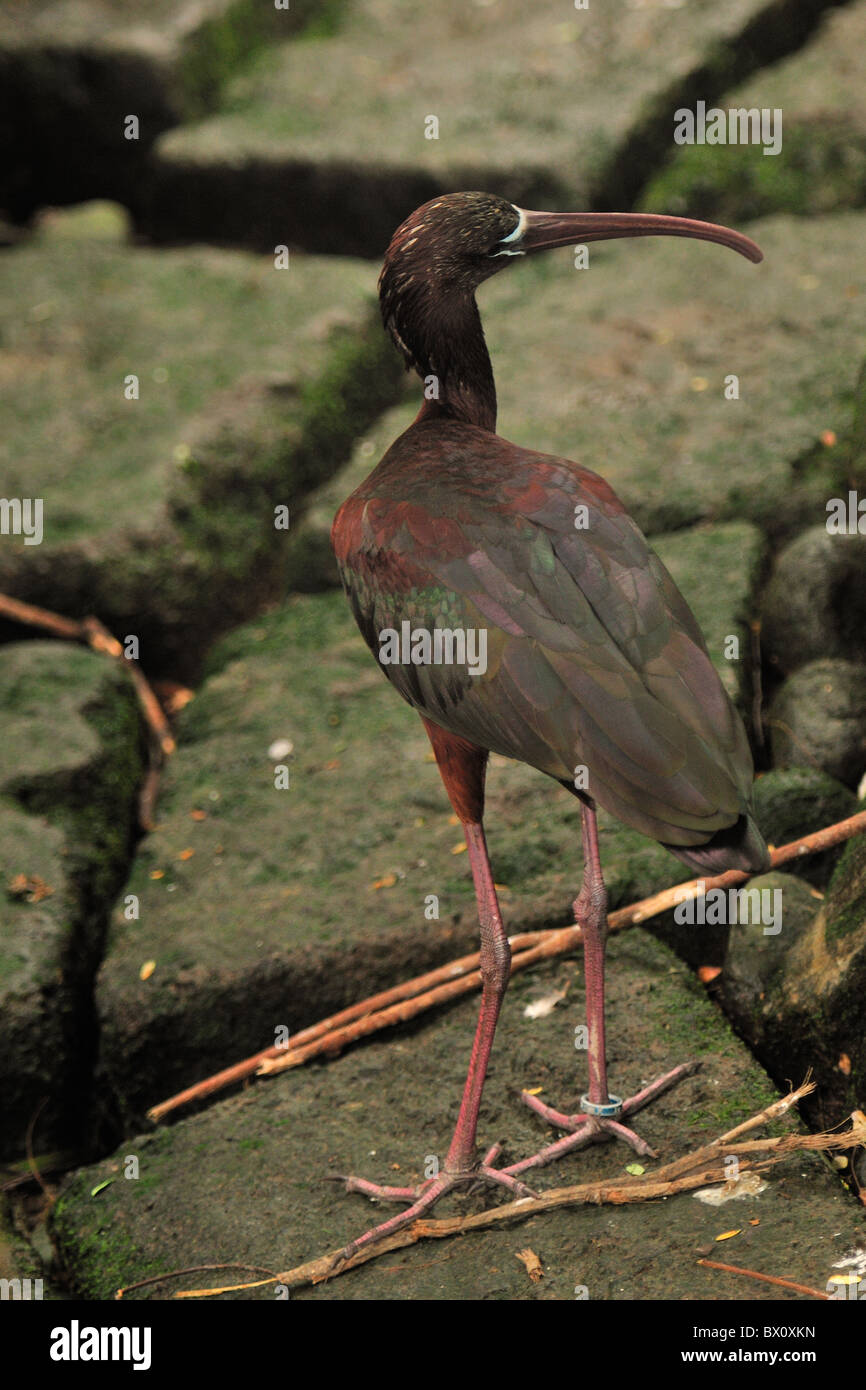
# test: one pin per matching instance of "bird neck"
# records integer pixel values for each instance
(450, 356)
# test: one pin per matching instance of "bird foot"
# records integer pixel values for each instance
(423, 1197)
(591, 1128)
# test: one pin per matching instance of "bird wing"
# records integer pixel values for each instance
(594, 660)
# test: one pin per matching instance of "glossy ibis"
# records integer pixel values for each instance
(595, 670)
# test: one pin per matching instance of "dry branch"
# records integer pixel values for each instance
(96, 635)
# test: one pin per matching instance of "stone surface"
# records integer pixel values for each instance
(159, 512)
(245, 1180)
(70, 760)
(819, 716)
(538, 105)
(794, 801)
(815, 602)
(71, 72)
(821, 93)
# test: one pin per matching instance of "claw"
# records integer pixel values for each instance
(582, 1128)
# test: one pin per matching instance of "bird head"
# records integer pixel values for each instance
(449, 246)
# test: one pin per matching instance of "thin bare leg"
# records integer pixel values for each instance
(462, 1165)
(602, 1113)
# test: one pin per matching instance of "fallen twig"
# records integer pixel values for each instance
(764, 1278)
(198, 1269)
(412, 997)
(96, 635)
(703, 1166)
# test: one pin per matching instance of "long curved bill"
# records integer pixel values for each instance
(541, 231)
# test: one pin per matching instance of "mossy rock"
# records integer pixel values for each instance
(70, 767)
(717, 568)
(814, 606)
(246, 1179)
(159, 510)
(820, 714)
(537, 105)
(71, 72)
(794, 801)
(820, 92)
(806, 1009)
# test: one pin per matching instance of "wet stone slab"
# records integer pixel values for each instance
(534, 103)
(816, 100)
(244, 1181)
(73, 73)
(165, 404)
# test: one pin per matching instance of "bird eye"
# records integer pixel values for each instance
(510, 245)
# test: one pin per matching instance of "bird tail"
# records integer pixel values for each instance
(738, 846)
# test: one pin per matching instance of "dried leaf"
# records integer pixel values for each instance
(844, 1064)
(747, 1185)
(540, 1008)
(726, 1235)
(532, 1263)
(706, 973)
(178, 698)
(147, 970)
(459, 849)
(387, 882)
(30, 887)
(186, 854)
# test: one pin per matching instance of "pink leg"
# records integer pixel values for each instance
(602, 1112)
(462, 1165)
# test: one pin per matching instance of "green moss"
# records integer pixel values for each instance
(821, 168)
(93, 1244)
(795, 801)
(218, 49)
(846, 895)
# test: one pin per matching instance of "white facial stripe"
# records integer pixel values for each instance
(514, 236)
(518, 230)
